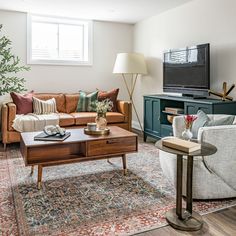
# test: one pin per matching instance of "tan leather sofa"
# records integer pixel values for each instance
(68, 117)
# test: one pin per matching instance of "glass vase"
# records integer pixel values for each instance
(187, 134)
(101, 121)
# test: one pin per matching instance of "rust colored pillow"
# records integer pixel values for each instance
(24, 102)
(112, 95)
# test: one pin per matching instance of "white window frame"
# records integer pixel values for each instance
(52, 19)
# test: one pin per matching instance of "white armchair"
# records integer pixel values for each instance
(214, 176)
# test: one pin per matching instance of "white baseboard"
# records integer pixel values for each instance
(136, 125)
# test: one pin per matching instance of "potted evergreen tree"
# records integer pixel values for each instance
(9, 67)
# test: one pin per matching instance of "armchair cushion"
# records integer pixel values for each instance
(228, 120)
(202, 120)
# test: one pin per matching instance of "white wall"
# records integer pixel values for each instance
(199, 21)
(108, 40)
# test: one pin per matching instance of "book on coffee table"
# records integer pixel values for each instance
(45, 137)
(182, 145)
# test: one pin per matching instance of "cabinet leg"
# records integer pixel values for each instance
(32, 170)
(179, 186)
(124, 164)
(40, 172)
(144, 137)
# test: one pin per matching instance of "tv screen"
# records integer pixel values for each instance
(186, 70)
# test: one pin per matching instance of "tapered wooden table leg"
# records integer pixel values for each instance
(40, 171)
(32, 170)
(124, 164)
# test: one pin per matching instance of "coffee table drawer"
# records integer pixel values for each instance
(112, 146)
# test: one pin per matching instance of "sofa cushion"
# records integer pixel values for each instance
(66, 119)
(71, 102)
(111, 95)
(82, 118)
(60, 99)
(24, 103)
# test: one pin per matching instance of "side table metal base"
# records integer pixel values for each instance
(194, 222)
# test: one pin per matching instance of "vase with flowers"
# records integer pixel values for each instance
(102, 107)
(188, 120)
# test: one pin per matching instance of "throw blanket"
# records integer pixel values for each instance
(32, 122)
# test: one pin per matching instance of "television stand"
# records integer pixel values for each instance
(193, 96)
(156, 124)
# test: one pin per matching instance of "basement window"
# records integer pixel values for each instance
(58, 41)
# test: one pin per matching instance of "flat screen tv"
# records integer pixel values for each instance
(187, 70)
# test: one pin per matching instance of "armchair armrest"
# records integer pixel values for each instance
(125, 107)
(11, 114)
(178, 125)
(4, 123)
(223, 162)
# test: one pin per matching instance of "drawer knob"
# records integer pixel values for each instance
(112, 141)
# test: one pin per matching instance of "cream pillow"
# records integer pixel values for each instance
(44, 107)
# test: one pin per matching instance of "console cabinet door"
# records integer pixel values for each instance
(192, 108)
(156, 125)
(152, 116)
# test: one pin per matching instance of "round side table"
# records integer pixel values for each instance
(185, 218)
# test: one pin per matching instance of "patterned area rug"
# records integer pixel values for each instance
(90, 198)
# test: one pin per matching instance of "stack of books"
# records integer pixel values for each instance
(45, 137)
(181, 145)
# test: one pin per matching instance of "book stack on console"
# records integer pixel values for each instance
(45, 137)
(181, 145)
(174, 110)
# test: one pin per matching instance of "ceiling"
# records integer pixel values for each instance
(126, 11)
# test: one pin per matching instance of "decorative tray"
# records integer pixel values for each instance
(97, 132)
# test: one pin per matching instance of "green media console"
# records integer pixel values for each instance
(156, 124)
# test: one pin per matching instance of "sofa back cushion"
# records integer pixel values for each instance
(71, 101)
(59, 97)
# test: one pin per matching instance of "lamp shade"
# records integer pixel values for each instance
(130, 63)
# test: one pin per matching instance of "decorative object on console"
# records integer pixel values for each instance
(134, 64)
(102, 108)
(111, 95)
(44, 107)
(225, 94)
(188, 120)
(24, 102)
(86, 100)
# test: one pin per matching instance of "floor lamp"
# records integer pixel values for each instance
(132, 64)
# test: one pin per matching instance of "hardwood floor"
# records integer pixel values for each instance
(220, 223)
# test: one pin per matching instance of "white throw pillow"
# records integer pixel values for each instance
(44, 107)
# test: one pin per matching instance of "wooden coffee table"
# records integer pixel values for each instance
(78, 147)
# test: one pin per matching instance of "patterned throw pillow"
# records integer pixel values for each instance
(86, 101)
(111, 95)
(44, 107)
